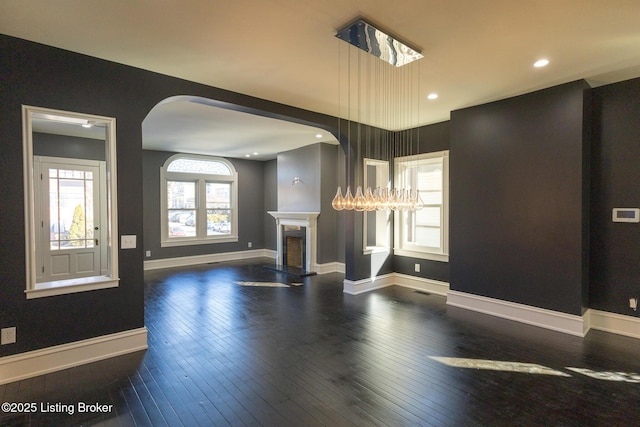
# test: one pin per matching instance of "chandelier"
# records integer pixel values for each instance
(378, 91)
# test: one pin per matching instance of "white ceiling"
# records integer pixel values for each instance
(285, 50)
(191, 125)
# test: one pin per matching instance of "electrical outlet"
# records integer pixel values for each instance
(249, 244)
(633, 303)
(148, 253)
(417, 268)
(8, 335)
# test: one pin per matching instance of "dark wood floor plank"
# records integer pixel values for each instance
(221, 354)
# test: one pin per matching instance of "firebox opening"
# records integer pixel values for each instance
(294, 246)
(294, 252)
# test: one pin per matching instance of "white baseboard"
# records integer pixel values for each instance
(155, 264)
(40, 362)
(614, 323)
(268, 253)
(204, 259)
(356, 287)
(549, 319)
(421, 284)
(366, 285)
(330, 267)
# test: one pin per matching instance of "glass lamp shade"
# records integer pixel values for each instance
(369, 200)
(348, 200)
(359, 200)
(338, 201)
(397, 199)
(419, 204)
(382, 199)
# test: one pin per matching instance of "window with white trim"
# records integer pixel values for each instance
(424, 233)
(199, 200)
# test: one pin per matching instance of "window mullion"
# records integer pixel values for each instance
(201, 209)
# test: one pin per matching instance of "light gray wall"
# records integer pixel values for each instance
(251, 209)
(317, 167)
(261, 187)
(270, 186)
(303, 163)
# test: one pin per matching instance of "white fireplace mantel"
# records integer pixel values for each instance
(302, 219)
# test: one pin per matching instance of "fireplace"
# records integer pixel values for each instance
(294, 246)
(296, 240)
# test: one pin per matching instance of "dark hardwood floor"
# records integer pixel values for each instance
(221, 353)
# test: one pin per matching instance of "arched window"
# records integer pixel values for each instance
(199, 198)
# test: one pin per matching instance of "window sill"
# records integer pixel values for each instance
(189, 242)
(422, 255)
(72, 286)
(375, 250)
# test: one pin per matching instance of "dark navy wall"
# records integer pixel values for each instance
(518, 202)
(251, 209)
(615, 247)
(359, 265)
(328, 238)
(45, 144)
(37, 75)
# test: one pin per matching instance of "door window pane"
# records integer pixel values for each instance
(71, 213)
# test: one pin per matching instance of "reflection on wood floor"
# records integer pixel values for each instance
(309, 355)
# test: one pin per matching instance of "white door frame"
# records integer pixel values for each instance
(41, 163)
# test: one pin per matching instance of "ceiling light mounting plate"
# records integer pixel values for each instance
(366, 36)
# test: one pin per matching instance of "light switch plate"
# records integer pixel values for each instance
(128, 242)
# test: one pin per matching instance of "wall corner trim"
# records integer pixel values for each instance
(357, 287)
(330, 267)
(39, 362)
(412, 282)
(548, 319)
(615, 323)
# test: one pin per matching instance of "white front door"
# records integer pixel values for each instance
(68, 212)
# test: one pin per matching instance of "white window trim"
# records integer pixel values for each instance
(201, 180)
(39, 290)
(425, 253)
(382, 180)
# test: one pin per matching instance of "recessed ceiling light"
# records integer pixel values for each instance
(247, 155)
(255, 154)
(433, 96)
(318, 135)
(541, 63)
